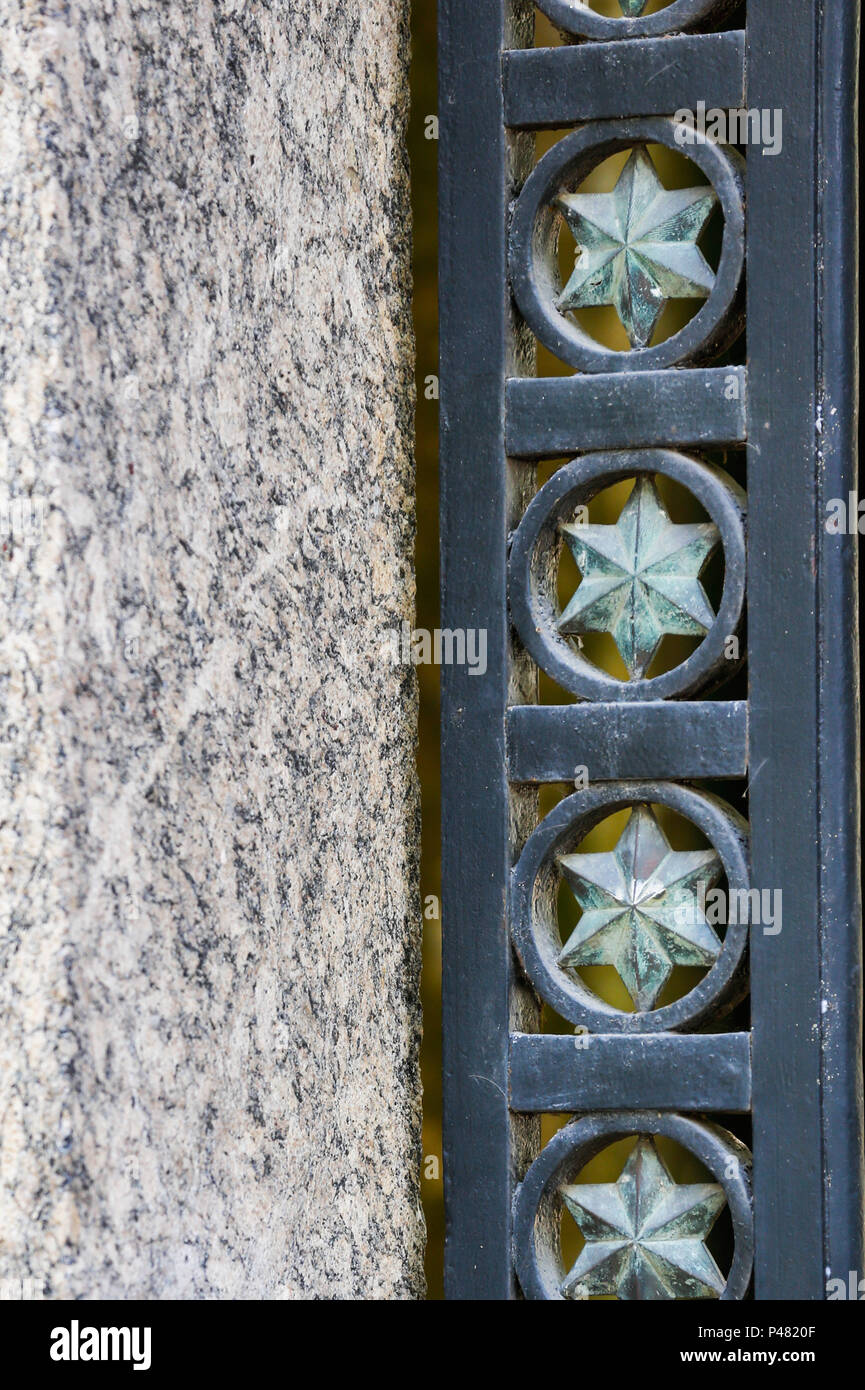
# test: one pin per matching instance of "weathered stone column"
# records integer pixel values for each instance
(210, 932)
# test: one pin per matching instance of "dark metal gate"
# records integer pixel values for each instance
(749, 739)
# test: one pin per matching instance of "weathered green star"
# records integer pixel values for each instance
(645, 1233)
(641, 908)
(637, 246)
(632, 7)
(640, 578)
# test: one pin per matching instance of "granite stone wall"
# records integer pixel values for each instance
(209, 926)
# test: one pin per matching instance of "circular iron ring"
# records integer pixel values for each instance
(534, 269)
(574, 18)
(534, 559)
(534, 906)
(538, 1204)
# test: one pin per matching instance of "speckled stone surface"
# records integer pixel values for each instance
(209, 929)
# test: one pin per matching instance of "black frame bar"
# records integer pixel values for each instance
(656, 1071)
(839, 747)
(689, 739)
(804, 826)
(550, 87)
(476, 357)
(557, 415)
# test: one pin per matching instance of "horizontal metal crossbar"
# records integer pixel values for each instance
(657, 739)
(548, 416)
(603, 1071)
(551, 87)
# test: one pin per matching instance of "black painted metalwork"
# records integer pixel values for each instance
(699, 739)
(555, 415)
(550, 87)
(553, 1072)
(792, 1061)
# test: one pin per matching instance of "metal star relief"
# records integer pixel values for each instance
(640, 577)
(641, 908)
(644, 1233)
(637, 246)
(632, 8)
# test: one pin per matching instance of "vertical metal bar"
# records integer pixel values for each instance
(476, 353)
(782, 653)
(839, 805)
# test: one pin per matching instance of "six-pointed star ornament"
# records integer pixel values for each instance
(642, 908)
(637, 246)
(640, 578)
(644, 1233)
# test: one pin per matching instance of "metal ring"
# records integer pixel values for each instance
(534, 906)
(533, 256)
(533, 561)
(573, 17)
(537, 1205)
